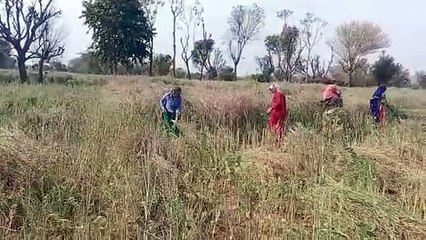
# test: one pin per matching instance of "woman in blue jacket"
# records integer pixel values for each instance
(377, 109)
(171, 106)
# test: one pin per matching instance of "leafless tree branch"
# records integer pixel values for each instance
(245, 22)
(20, 23)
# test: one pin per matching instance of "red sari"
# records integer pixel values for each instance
(382, 114)
(278, 113)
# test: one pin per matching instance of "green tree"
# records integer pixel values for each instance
(202, 51)
(19, 25)
(59, 66)
(385, 69)
(201, 54)
(5, 55)
(244, 23)
(121, 31)
(284, 52)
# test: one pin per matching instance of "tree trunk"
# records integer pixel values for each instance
(174, 46)
(235, 71)
(188, 71)
(151, 57)
(350, 79)
(40, 71)
(307, 70)
(115, 69)
(23, 77)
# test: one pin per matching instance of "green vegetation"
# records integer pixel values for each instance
(93, 161)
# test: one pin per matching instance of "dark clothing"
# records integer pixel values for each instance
(168, 118)
(376, 105)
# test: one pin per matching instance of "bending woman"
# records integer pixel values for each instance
(171, 106)
(377, 109)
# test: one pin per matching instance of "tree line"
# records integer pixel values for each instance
(123, 35)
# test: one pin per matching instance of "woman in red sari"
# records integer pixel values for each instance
(277, 112)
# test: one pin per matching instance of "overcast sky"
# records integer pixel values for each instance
(402, 20)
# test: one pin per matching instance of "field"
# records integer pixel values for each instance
(89, 160)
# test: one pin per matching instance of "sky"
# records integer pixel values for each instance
(403, 21)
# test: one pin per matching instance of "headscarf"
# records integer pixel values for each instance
(273, 87)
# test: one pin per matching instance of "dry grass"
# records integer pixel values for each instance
(82, 162)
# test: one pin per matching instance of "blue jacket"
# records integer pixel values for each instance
(379, 92)
(375, 101)
(171, 104)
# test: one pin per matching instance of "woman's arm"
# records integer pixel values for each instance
(163, 102)
(179, 105)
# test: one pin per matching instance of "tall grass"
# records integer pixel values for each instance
(93, 163)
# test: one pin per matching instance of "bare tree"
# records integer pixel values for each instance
(355, 40)
(191, 18)
(217, 62)
(320, 68)
(177, 7)
(19, 25)
(49, 46)
(266, 64)
(244, 23)
(151, 10)
(311, 35)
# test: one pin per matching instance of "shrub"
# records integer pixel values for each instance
(180, 73)
(227, 74)
(415, 86)
(58, 78)
(7, 77)
(421, 79)
(261, 77)
(162, 63)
